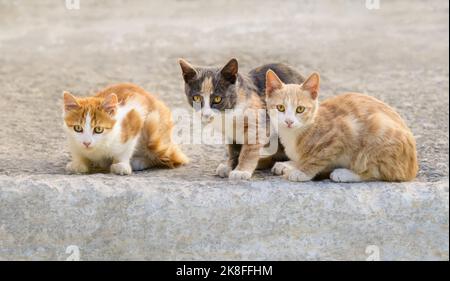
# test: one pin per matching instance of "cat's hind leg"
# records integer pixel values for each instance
(141, 163)
(305, 171)
(281, 168)
(344, 175)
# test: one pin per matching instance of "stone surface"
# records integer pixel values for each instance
(398, 53)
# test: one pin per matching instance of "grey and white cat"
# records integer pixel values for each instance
(214, 90)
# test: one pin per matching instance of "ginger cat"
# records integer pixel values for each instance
(353, 136)
(122, 128)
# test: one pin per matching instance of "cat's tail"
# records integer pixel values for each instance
(175, 157)
(170, 155)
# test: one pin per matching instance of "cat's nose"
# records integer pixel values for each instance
(87, 144)
(289, 122)
(208, 117)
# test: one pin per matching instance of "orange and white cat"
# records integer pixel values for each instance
(350, 137)
(122, 128)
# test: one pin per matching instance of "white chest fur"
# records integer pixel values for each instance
(289, 139)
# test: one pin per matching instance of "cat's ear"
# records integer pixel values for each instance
(230, 70)
(109, 104)
(312, 85)
(189, 72)
(70, 102)
(272, 82)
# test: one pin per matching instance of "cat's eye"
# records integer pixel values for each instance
(98, 130)
(300, 109)
(281, 108)
(78, 128)
(197, 98)
(217, 99)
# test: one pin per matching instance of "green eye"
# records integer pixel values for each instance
(197, 98)
(98, 130)
(217, 99)
(281, 108)
(78, 128)
(300, 109)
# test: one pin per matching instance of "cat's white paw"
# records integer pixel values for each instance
(344, 175)
(121, 169)
(75, 167)
(297, 175)
(223, 170)
(240, 175)
(281, 168)
(139, 163)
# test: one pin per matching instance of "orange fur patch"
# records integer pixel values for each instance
(91, 105)
(131, 125)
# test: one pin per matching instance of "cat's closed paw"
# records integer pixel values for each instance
(223, 170)
(75, 167)
(281, 168)
(344, 175)
(240, 175)
(297, 175)
(121, 169)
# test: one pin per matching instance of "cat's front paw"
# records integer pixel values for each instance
(297, 175)
(75, 167)
(240, 175)
(344, 175)
(121, 169)
(223, 170)
(281, 168)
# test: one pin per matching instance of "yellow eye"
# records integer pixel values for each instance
(78, 128)
(197, 98)
(98, 130)
(300, 109)
(217, 99)
(281, 108)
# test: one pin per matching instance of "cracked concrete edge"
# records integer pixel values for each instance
(142, 218)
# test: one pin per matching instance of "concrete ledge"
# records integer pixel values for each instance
(154, 218)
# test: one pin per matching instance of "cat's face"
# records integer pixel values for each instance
(296, 105)
(210, 91)
(89, 121)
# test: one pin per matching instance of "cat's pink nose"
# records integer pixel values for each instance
(289, 123)
(87, 144)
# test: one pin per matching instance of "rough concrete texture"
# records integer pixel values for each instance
(398, 53)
